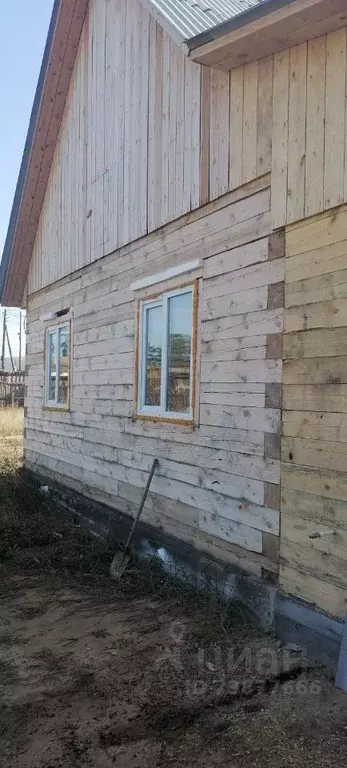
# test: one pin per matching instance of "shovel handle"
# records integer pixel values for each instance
(142, 504)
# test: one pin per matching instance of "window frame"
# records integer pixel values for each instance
(155, 411)
(49, 331)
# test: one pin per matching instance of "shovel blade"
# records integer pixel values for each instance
(118, 565)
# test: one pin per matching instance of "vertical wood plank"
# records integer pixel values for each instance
(205, 136)
(168, 86)
(188, 146)
(151, 124)
(143, 118)
(179, 135)
(195, 136)
(264, 115)
(297, 132)
(121, 122)
(128, 126)
(136, 201)
(219, 134)
(280, 139)
(335, 116)
(249, 143)
(314, 180)
(236, 127)
(112, 122)
(99, 75)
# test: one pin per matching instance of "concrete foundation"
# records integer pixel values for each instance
(292, 620)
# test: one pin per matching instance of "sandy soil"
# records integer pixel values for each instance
(91, 679)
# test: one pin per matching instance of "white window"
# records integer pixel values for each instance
(57, 366)
(166, 350)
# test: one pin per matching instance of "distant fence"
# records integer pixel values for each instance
(11, 389)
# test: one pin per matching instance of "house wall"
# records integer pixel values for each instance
(309, 159)
(314, 444)
(218, 483)
(146, 136)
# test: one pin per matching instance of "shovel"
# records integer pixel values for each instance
(121, 559)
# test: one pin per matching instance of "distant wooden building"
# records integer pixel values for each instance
(179, 240)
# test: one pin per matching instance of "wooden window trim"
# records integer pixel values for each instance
(190, 421)
(55, 326)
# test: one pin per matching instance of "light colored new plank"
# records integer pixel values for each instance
(323, 314)
(169, 146)
(236, 127)
(325, 566)
(329, 398)
(322, 288)
(335, 115)
(280, 139)
(318, 261)
(321, 370)
(300, 506)
(315, 426)
(321, 482)
(309, 453)
(321, 342)
(249, 140)
(297, 132)
(196, 134)
(328, 597)
(264, 114)
(219, 133)
(205, 136)
(315, 126)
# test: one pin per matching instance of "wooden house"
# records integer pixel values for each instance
(179, 240)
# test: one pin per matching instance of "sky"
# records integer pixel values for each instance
(23, 31)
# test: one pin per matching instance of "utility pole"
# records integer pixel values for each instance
(20, 343)
(9, 348)
(3, 341)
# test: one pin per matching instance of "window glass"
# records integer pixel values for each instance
(52, 365)
(165, 355)
(64, 352)
(57, 370)
(153, 355)
(179, 353)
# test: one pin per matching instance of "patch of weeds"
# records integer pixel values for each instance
(53, 663)
(8, 672)
(84, 678)
(36, 534)
(9, 639)
(100, 633)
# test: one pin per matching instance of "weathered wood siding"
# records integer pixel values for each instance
(314, 445)
(309, 159)
(146, 136)
(218, 484)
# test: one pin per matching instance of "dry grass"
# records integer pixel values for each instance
(11, 439)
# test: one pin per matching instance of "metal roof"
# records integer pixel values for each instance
(192, 17)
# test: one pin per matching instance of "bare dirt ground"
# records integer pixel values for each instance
(141, 674)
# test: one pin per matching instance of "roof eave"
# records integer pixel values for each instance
(215, 33)
(60, 52)
(6, 256)
(266, 29)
